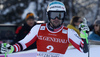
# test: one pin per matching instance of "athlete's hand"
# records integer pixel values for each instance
(84, 29)
(6, 48)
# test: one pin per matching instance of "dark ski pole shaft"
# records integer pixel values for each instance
(87, 43)
(85, 21)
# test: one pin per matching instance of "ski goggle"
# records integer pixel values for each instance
(54, 15)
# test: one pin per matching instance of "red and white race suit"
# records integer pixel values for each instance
(49, 43)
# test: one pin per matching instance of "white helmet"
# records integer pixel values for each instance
(56, 6)
(55, 10)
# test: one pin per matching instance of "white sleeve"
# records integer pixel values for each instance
(73, 36)
(30, 36)
(74, 39)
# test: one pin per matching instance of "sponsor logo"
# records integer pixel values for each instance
(58, 40)
(56, 7)
(64, 31)
(62, 7)
(43, 54)
(52, 34)
(42, 28)
(77, 36)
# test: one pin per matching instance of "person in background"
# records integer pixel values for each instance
(23, 30)
(95, 35)
(74, 24)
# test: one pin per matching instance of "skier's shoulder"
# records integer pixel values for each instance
(71, 30)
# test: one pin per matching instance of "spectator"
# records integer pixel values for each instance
(95, 35)
(74, 23)
(23, 30)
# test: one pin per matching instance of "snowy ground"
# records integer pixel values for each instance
(94, 52)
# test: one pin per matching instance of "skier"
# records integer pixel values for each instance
(52, 38)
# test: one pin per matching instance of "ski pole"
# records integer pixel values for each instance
(86, 36)
(5, 46)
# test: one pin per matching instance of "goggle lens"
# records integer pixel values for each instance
(59, 15)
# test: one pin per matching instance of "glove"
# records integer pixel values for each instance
(6, 48)
(84, 29)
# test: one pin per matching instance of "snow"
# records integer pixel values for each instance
(94, 52)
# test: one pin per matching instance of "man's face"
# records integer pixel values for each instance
(30, 22)
(56, 18)
(55, 22)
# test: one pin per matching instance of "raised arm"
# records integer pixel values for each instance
(77, 41)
